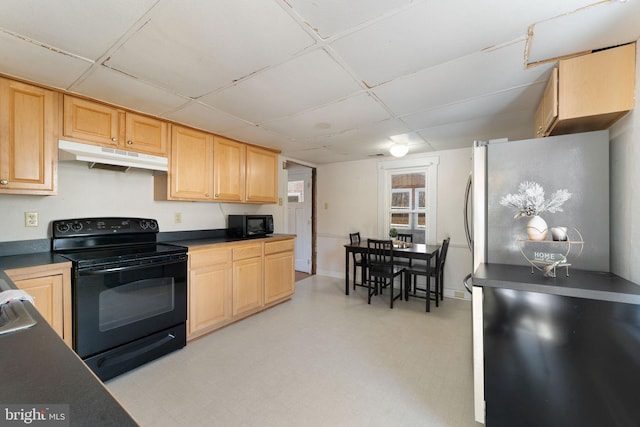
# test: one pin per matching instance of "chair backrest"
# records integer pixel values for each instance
(405, 237)
(380, 252)
(443, 252)
(354, 237)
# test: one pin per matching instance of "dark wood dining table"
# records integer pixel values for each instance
(415, 251)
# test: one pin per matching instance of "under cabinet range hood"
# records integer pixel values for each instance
(110, 158)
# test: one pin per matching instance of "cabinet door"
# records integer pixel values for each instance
(191, 176)
(92, 123)
(228, 170)
(279, 276)
(209, 298)
(146, 134)
(601, 83)
(261, 176)
(50, 287)
(209, 291)
(47, 296)
(247, 285)
(28, 139)
(547, 112)
(550, 102)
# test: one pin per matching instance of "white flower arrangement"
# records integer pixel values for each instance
(530, 201)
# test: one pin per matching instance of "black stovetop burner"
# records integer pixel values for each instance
(98, 241)
(121, 254)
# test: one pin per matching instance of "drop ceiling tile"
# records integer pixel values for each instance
(261, 136)
(331, 119)
(468, 77)
(430, 33)
(307, 81)
(516, 99)
(369, 133)
(513, 125)
(602, 25)
(373, 146)
(207, 118)
(330, 17)
(110, 86)
(321, 155)
(81, 27)
(28, 61)
(208, 45)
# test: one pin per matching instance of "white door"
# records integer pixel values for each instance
(299, 213)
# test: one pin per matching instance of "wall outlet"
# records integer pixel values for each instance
(177, 218)
(458, 294)
(31, 219)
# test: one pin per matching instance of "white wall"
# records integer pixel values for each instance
(347, 201)
(84, 192)
(625, 191)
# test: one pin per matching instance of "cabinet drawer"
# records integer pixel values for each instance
(247, 251)
(280, 246)
(208, 257)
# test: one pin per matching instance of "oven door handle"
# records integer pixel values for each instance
(136, 265)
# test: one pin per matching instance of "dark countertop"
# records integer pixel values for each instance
(594, 285)
(39, 368)
(192, 242)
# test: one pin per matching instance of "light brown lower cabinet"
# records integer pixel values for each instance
(230, 281)
(279, 273)
(247, 278)
(209, 290)
(50, 287)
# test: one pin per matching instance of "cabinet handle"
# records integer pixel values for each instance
(129, 142)
(4, 182)
(206, 194)
(114, 139)
(216, 195)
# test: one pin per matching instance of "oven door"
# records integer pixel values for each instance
(115, 305)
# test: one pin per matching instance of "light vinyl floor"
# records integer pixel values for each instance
(320, 359)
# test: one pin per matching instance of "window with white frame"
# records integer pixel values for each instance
(408, 202)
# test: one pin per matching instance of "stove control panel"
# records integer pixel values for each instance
(101, 226)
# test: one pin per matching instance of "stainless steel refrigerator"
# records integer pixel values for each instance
(578, 163)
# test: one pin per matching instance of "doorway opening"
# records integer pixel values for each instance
(301, 217)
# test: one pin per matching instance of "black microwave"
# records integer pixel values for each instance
(250, 225)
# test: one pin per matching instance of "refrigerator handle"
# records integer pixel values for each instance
(467, 230)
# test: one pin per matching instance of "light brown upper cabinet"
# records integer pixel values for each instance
(229, 159)
(244, 173)
(100, 124)
(547, 111)
(28, 139)
(261, 181)
(190, 175)
(207, 167)
(593, 91)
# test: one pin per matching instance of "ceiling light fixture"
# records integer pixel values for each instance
(398, 150)
(399, 145)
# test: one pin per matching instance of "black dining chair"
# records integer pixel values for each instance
(381, 270)
(406, 238)
(359, 260)
(436, 271)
